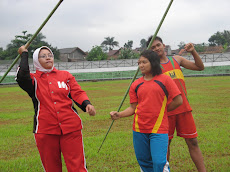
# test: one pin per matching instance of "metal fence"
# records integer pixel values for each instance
(220, 57)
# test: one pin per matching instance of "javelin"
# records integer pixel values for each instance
(135, 75)
(29, 42)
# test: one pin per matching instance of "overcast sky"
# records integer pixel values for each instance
(85, 23)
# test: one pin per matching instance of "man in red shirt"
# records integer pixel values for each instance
(181, 118)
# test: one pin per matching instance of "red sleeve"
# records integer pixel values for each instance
(77, 94)
(132, 94)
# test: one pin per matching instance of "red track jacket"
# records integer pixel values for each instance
(53, 95)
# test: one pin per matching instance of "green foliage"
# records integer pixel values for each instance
(220, 38)
(3, 54)
(11, 51)
(225, 46)
(181, 45)
(96, 53)
(110, 43)
(127, 53)
(200, 47)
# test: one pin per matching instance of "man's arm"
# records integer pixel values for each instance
(197, 65)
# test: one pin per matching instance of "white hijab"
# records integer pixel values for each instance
(37, 65)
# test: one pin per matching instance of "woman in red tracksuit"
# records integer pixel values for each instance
(57, 125)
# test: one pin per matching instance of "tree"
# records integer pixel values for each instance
(104, 48)
(12, 48)
(1, 53)
(181, 45)
(200, 47)
(11, 51)
(225, 47)
(220, 38)
(96, 53)
(129, 44)
(127, 53)
(143, 44)
(110, 43)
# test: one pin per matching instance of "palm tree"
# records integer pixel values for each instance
(109, 41)
(129, 44)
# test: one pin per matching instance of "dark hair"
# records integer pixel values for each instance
(154, 60)
(150, 38)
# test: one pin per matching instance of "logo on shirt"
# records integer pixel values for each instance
(62, 85)
(172, 74)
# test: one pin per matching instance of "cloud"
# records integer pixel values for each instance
(85, 23)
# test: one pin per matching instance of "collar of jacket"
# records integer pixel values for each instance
(39, 73)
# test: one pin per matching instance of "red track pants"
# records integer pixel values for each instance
(70, 145)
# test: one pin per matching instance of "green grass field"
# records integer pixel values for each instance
(208, 96)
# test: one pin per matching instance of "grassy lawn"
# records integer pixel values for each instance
(208, 96)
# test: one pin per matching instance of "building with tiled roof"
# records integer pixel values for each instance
(72, 54)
